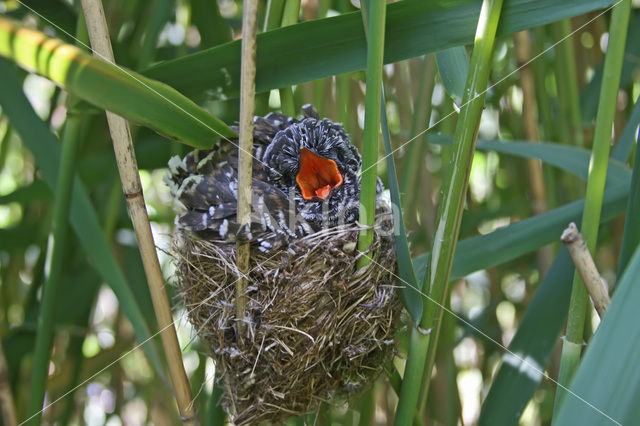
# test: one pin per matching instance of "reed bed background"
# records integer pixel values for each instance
(493, 125)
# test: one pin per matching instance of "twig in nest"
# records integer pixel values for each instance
(595, 285)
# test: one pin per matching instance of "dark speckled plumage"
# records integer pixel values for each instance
(204, 183)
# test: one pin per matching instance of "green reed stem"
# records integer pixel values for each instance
(572, 345)
(568, 93)
(375, 22)
(421, 114)
(424, 339)
(289, 17)
(272, 20)
(56, 252)
(55, 258)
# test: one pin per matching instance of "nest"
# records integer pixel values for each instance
(315, 327)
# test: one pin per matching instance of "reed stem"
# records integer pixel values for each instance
(289, 17)
(132, 188)
(424, 338)
(522, 46)
(56, 252)
(572, 344)
(568, 92)
(375, 22)
(245, 160)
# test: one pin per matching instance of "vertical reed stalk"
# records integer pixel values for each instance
(245, 161)
(132, 188)
(548, 128)
(56, 252)
(424, 338)
(421, 115)
(375, 22)
(536, 178)
(572, 344)
(320, 95)
(289, 17)
(272, 20)
(568, 93)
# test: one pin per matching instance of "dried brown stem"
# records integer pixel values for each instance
(595, 285)
(130, 178)
(245, 162)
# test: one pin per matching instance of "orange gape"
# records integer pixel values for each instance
(317, 175)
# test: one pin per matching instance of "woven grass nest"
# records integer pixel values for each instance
(316, 327)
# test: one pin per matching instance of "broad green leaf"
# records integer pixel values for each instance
(512, 241)
(111, 87)
(336, 45)
(520, 238)
(453, 67)
(403, 255)
(83, 218)
(571, 159)
(606, 386)
(574, 160)
(528, 354)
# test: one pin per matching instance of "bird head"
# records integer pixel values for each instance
(316, 158)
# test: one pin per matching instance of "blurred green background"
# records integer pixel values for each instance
(505, 292)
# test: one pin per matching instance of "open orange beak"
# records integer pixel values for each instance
(317, 175)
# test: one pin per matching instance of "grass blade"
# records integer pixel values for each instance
(453, 66)
(405, 267)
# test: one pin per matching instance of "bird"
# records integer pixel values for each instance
(305, 178)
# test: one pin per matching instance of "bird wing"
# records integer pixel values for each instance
(205, 185)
